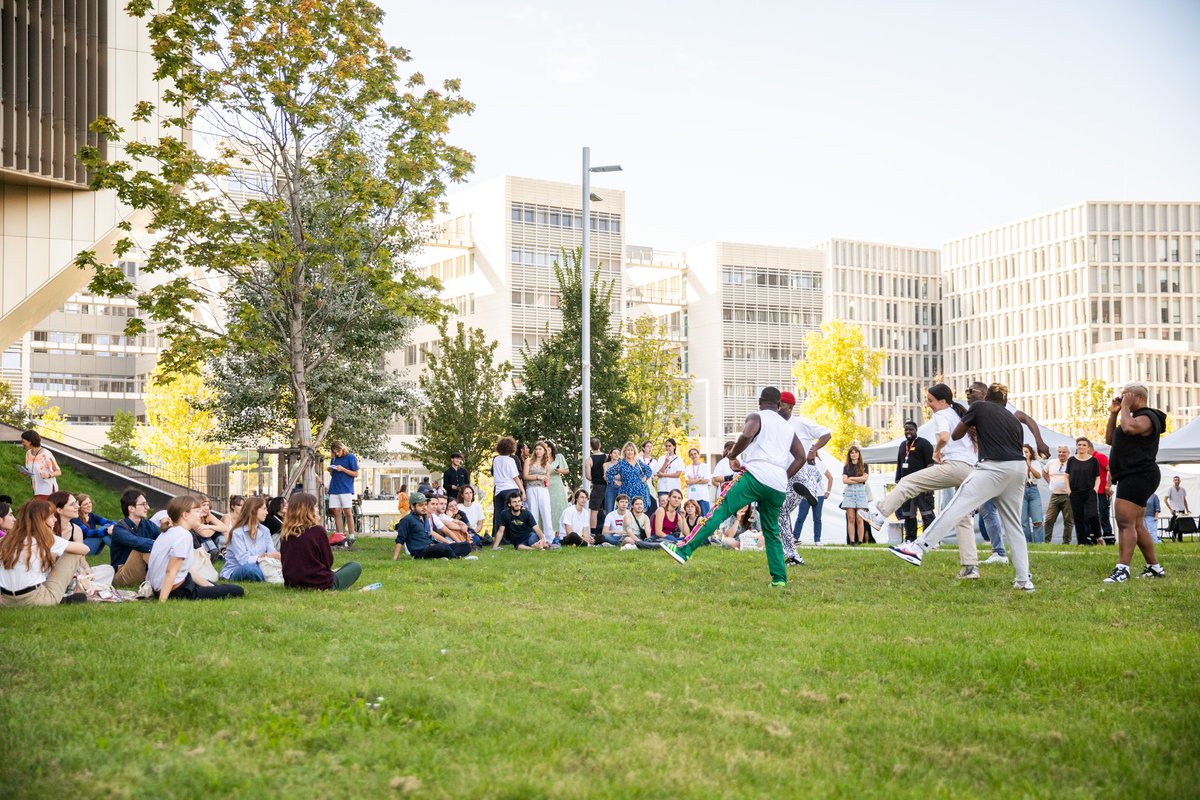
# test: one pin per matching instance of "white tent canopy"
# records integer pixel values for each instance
(1182, 446)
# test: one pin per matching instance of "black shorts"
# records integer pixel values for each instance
(1137, 487)
(596, 498)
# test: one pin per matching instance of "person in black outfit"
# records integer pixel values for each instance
(416, 533)
(915, 454)
(1083, 477)
(1134, 468)
(599, 485)
(518, 528)
(455, 477)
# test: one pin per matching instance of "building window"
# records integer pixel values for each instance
(1116, 249)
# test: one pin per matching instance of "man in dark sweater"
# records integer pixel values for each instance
(999, 476)
(416, 533)
(455, 478)
(132, 539)
(915, 454)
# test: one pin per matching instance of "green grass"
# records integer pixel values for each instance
(106, 502)
(610, 674)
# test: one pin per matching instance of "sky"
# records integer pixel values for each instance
(789, 123)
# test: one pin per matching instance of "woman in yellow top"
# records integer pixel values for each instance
(402, 504)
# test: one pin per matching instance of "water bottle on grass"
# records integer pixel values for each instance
(374, 587)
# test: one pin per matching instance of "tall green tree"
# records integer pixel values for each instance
(322, 164)
(12, 410)
(120, 440)
(836, 376)
(463, 408)
(656, 387)
(1088, 411)
(548, 402)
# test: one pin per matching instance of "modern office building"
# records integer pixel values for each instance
(1098, 290)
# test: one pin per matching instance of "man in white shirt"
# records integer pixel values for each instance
(614, 523)
(807, 485)
(1055, 474)
(772, 456)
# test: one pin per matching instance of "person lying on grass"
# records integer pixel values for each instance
(416, 532)
(518, 528)
(249, 541)
(35, 565)
(170, 565)
(305, 552)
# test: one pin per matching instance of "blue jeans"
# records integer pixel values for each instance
(96, 544)
(610, 498)
(990, 527)
(800, 517)
(1152, 527)
(1032, 518)
(246, 572)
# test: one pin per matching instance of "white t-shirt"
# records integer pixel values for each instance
(615, 521)
(673, 464)
(807, 431)
(699, 491)
(964, 449)
(175, 542)
(1060, 482)
(473, 513)
(504, 473)
(579, 520)
(159, 518)
(653, 464)
(768, 456)
(722, 469)
(22, 577)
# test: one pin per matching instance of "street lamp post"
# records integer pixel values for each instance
(585, 268)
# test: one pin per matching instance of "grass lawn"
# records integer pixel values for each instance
(105, 501)
(600, 673)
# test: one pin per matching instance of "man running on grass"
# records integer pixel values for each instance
(772, 455)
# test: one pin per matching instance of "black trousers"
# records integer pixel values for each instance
(440, 550)
(1104, 509)
(189, 590)
(922, 503)
(499, 503)
(1085, 510)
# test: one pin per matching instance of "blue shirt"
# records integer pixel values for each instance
(633, 479)
(94, 529)
(340, 482)
(127, 537)
(1153, 507)
(413, 532)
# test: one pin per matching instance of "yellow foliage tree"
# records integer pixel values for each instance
(1088, 412)
(178, 435)
(835, 377)
(48, 420)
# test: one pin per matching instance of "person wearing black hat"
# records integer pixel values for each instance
(417, 534)
(455, 477)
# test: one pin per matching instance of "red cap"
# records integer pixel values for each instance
(787, 397)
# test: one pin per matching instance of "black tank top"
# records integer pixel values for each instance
(598, 460)
(1131, 454)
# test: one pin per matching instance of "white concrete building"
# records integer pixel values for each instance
(1098, 290)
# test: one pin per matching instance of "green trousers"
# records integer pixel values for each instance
(744, 490)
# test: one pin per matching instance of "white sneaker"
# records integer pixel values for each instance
(1027, 586)
(909, 551)
(145, 591)
(629, 546)
(876, 520)
(470, 558)
(996, 558)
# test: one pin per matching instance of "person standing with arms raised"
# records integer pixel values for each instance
(771, 455)
(1133, 431)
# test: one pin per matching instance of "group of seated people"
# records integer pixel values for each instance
(44, 547)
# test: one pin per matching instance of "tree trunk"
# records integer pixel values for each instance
(300, 389)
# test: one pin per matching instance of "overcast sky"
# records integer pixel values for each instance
(791, 122)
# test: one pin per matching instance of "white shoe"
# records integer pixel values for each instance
(1027, 586)
(629, 546)
(145, 591)
(996, 558)
(470, 558)
(876, 520)
(909, 551)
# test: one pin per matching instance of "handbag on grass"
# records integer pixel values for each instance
(202, 565)
(272, 569)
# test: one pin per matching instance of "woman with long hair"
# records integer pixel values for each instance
(667, 523)
(611, 490)
(35, 565)
(1031, 507)
(506, 475)
(68, 509)
(276, 508)
(854, 496)
(305, 552)
(558, 489)
(212, 533)
(537, 487)
(472, 511)
(249, 541)
(7, 520)
(96, 529)
(631, 474)
(691, 516)
(169, 570)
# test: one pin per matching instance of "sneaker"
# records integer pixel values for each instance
(802, 490)
(907, 552)
(778, 584)
(673, 551)
(607, 544)
(1120, 574)
(968, 573)
(1027, 586)
(629, 546)
(145, 591)
(818, 544)
(470, 558)
(1153, 571)
(996, 558)
(876, 520)
(794, 561)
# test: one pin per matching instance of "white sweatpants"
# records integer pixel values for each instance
(947, 475)
(539, 507)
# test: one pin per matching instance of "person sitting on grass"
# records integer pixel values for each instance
(64, 526)
(170, 566)
(249, 542)
(451, 529)
(454, 511)
(614, 523)
(574, 526)
(473, 513)
(691, 515)
(132, 539)
(96, 529)
(7, 520)
(518, 528)
(35, 565)
(276, 508)
(637, 524)
(668, 523)
(305, 552)
(417, 533)
(212, 533)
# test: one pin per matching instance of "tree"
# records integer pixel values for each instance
(323, 163)
(46, 419)
(120, 440)
(463, 409)
(1088, 411)
(547, 404)
(834, 376)
(656, 386)
(179, 433)
(12, 411)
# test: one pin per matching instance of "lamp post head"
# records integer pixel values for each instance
(608, 168)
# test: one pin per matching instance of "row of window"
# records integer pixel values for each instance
(884, 338)
(1140, 249)
(737, 351)
(463, 304)
(771, 316)
(75, 337)
(457, 267)
(857, 281)
(99, 309)
(555, 217)
(732, 275)
(55, 351)
(69, 382)
(536, 299)
(883, 257)
(1168, 312)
